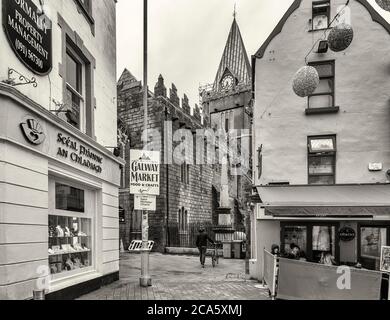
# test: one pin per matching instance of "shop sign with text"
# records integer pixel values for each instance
(145, 172)
(29, 34)
(145, 203)
(78, 153)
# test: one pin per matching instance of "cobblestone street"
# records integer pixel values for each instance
(181, 278)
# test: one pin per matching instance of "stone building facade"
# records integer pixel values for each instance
(227, 104)
(185, 199)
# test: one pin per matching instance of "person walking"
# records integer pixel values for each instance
(201, 243)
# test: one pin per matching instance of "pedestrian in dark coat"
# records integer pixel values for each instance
(201, 243)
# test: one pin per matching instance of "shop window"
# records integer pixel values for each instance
(314, 239)
(294, 235)
(69, 198)
(320, 15)
(371, 241)
(70, 230)
(324, 95)
(324, 241)
(322, 160)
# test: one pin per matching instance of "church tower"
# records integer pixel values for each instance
(233, 77)
(226, 107)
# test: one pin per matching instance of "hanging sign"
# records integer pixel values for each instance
(347, 234)
(145, 203)
(145, 172)
(29, 34)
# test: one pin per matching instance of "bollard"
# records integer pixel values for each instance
(39, 295)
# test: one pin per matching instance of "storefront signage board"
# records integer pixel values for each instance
(145, 172)
(145, 203)
(29, 34)
(385, 259)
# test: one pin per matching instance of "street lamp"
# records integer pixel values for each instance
(145, 280)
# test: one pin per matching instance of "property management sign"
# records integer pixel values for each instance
(145, 172)
(29, 34)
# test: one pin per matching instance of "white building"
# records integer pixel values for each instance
(59, 225)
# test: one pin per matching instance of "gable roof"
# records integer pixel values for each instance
(296, 4)
(234, 58)
(278, 29)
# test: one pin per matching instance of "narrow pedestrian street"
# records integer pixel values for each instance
(181, 278)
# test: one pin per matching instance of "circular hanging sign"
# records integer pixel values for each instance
(306, 81)
(347, 234)
(29, 34)
(384, 4)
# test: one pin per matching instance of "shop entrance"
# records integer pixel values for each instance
(314, 239)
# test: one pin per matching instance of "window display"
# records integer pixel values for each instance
(70, 243)
(372, 240)
(324, 241)
(296, 235)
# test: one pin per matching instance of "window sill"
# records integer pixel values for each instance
(313, 111)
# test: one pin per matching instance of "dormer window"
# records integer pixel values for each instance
(321, 15)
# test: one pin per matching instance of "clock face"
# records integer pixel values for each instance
(227, 82)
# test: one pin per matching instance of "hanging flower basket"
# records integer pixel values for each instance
(306, 81)
(384, 4)
(340, 37)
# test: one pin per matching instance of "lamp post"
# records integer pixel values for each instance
(145, 280)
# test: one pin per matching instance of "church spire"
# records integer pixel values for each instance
(234, 60)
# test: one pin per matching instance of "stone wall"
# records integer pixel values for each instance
(196, 196)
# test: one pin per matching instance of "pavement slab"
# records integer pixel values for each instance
(178, 277)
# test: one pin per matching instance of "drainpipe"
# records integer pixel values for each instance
(167, 182)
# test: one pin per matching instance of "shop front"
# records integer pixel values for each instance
(59, 221)
(351, 223)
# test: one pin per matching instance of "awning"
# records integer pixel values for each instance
(336, 200)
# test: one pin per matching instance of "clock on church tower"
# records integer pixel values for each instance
(227, 82)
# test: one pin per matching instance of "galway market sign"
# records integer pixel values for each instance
(29, 34)
(145, 172)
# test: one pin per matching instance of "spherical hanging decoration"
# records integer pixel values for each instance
(306, 81)
(340, 37)
(384, 4)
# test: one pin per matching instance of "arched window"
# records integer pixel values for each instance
(183, 219)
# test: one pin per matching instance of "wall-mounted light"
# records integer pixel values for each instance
(323, 46)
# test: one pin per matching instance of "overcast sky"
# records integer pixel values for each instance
(187, 37)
